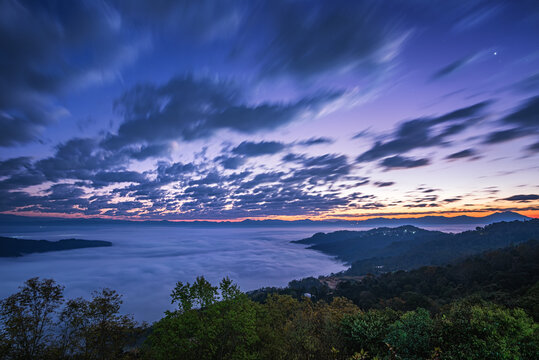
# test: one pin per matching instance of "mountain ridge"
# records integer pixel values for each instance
(9, 219)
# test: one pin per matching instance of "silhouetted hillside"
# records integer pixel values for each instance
(10, 247)
(351, 246)
(406, 247)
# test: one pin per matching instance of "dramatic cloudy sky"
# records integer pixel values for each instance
(170, 109)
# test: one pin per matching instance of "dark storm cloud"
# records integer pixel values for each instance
(78, 158)
(308, 39)
(104, 178)
(533, 147)
(452, 67)
(524, 121)
(426, 190)
(383, 184)
(279, 193)
(526, 116)
(48, 48)
(190, 108)
(418, 133)
(500, 136)
(361, 134)
(22, 178)
(477, 13)
(522, 198)
(231, 162)
(316, 141)
(253, 149)
(210, 194)
(14, 165)
(311, 46)
(64, 192)
(263, 178)
(149, 151)
(205, 20)
(198, 191)
(451, 200)
(461, 154)
(401, 162)
(168, 173)
(430, 198)
(528, 84)
(211, 178)
(318, 169)
(304, 39)
(10, 200)
(165, 170)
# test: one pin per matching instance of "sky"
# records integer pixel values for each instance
(227, 110)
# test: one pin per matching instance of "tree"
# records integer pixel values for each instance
(94, 329)
(200, 294)
(274, 320)
(410, 336)
(105, 332)
(204, 327)
(486, 331)
(367, 331)
(73, 324)
(27, 318)
(292, 329)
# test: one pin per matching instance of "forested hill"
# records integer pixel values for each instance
(388, 249)
(508, 276)
(351, 246)
(11, 247)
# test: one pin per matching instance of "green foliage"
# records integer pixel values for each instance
(200, 294)
(530, 301)
(215, 330)
(94, 329)
(33, 325)
(367, 331)
(507, 277)
(229, 290)
(410, 336)
(27, 319)
(293, 329)
(223, 323)
(487, 331)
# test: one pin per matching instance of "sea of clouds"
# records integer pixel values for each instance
(145, 262)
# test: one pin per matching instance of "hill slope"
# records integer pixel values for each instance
(11, 247)
(406, 247)
(508, 276)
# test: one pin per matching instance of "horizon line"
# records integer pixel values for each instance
(530, 213)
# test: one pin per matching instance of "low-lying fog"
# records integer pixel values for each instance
(145, 262)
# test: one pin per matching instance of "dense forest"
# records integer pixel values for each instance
(508, 277)
(482, 307)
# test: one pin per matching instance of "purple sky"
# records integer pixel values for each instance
(253, 109)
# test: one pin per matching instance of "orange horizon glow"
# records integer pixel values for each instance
(531, 213)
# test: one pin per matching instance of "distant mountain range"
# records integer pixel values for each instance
(6, 220)
(11, 247)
